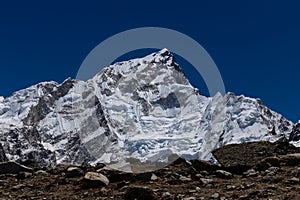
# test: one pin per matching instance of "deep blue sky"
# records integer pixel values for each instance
(255, 44)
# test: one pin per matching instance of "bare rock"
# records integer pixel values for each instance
(94, 179)
(223, 174)
(206, 181)
(215, 195)
(185, 179)
(250, 173)
(18, 187)
(294, 180)
(154, 177)
(42, 173)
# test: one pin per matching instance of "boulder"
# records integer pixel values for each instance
(201, 165)
(94, 179)
(223, 174)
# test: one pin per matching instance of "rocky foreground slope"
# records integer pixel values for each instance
(142, 109)
(258, 170)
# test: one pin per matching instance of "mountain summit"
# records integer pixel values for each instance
(143, 109)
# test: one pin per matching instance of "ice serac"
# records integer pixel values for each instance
(143, 108)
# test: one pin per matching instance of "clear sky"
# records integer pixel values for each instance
(255, 44)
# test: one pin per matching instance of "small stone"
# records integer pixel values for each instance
(204, 173)
(154, 177)
(250, 173)
(215, 195)
(41, 172)
(272, 187)
(185, 179)
(206, 180)
(247, 186)
(231, 187)
(166, 194)
(273, 169)
(199, 176)
(294, 180)
(245, 196)
(18, 187)
(223, 174)
(190, 198)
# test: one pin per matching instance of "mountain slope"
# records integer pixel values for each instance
(143, 108)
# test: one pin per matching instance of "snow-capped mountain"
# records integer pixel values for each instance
(143, 108)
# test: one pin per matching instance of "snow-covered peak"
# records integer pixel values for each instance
(143, 108)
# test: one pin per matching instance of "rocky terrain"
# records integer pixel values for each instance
(256, 170)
